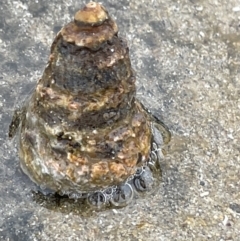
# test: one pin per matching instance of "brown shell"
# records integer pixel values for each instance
(82, 129)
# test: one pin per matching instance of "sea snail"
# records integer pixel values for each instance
(82, 132)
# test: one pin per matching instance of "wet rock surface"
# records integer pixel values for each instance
(186, 56)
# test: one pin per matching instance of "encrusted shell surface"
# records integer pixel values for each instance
(82, 130)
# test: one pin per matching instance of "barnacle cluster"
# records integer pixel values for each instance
(82, 132)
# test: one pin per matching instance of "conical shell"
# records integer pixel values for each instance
(82, 129)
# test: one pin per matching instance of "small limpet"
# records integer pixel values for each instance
(82, 132)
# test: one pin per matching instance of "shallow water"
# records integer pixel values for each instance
(186, 55)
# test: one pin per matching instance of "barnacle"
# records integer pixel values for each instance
(82, 132)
